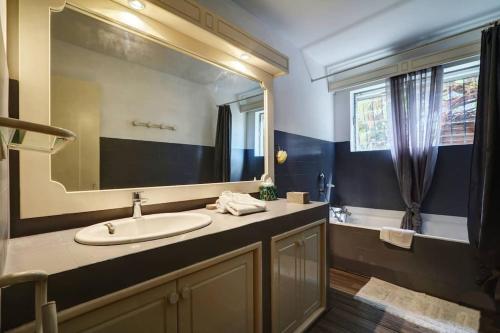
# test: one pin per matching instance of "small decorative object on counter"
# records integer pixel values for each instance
(281, 155)
(297, 197)
(211, 206)
(267, 190)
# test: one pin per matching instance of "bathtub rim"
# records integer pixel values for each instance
(396, 214)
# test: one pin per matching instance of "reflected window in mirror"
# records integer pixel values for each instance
(259, 133)
(145, 114)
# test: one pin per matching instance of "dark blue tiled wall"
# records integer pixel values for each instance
(133, 163)
(307, 158)
(368, 179)
(245, 165)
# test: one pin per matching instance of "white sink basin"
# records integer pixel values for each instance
(148, 227)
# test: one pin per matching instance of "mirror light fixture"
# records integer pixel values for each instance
(136, 4)
(244, 56)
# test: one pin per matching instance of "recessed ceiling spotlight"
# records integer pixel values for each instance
(136, 4)
(244, 56)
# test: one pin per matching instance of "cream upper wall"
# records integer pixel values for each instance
(300, 107)
(150, 96)
(168, 99)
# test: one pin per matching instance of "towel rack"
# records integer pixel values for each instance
(153, 125)
(45, 312)
(20, 128)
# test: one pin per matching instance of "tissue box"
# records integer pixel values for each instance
(297, 197)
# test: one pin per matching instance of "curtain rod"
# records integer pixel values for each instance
(493, 23)
(242, 99)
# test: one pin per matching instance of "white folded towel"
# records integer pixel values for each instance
(239, 204)
(395, 236)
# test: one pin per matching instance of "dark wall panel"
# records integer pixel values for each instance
(365, 179)
(368, 179)
(253, 166)
(133, 163)
(307, 158)
(449, 193)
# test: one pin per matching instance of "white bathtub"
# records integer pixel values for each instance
(452, 228)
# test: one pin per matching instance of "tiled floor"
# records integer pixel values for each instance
(345, 314)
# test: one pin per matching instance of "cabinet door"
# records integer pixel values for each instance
(299, 277)
(219, 298)
(151, 311)
(311, 271)
(286, 297)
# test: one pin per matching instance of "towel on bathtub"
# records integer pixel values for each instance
(239, 204)
(395, 236)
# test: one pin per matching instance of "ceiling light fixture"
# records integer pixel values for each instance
(244, 56)
(136, 4)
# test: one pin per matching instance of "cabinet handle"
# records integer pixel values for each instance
(173, 298)
(185, 292)
(299, 243)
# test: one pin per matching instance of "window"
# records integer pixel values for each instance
(370, 119)
(458, 110)
(259, 133)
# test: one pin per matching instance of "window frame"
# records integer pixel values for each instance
(471, 63)
(374, 85)
(352, 120)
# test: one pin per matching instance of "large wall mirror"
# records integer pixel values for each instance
(145, 114)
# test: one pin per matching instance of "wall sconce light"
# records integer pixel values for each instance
(281, 155)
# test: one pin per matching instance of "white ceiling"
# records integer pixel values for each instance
(334, 31)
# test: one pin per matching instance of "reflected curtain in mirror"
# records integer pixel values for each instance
(222, 153)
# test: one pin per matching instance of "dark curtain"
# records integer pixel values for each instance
(484, 193)
(415, 100)
(222, 154)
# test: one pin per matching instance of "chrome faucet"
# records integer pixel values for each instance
(137, 201)
(340, 213)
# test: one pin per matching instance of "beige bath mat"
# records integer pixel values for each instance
(418, 308)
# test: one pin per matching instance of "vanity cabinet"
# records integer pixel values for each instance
(152, 311)
(217, 298)
(298, 277)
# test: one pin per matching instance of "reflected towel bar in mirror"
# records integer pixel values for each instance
(25, 135)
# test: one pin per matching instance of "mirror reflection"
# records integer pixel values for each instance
(145, 114)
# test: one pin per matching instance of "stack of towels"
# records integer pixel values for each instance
(239, 204)
(395, 236)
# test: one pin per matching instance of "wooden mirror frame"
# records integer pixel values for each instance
(29, 62)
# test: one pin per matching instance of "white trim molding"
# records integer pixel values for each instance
(457, 48)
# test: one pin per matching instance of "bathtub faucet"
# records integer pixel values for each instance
(340, 213)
